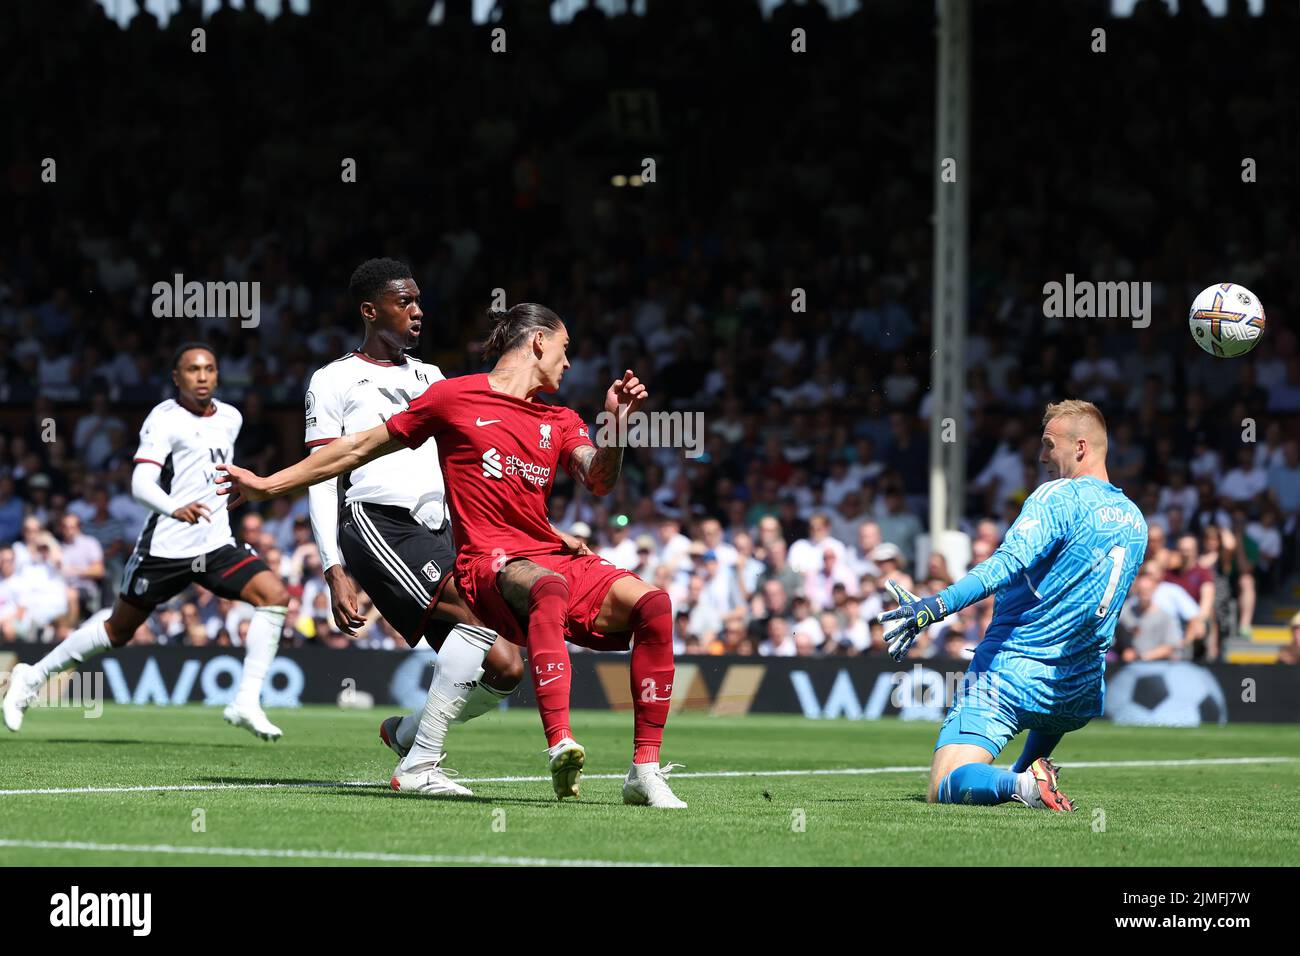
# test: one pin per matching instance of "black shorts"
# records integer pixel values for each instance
(401, 564)
(150, 580)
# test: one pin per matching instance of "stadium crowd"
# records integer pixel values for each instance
(750, 280)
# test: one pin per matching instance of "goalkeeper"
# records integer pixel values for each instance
(1061, 576)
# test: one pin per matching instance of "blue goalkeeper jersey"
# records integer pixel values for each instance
(1061, 576)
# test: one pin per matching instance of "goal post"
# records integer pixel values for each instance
(948, 344)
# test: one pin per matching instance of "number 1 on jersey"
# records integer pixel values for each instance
(1116, 555)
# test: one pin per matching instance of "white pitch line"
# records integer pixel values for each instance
(703, 774)
(347, 856)
(186, 787)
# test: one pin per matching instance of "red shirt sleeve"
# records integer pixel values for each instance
(422, 419)
(573, 434)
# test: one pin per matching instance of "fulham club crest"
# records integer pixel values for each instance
(432, 572)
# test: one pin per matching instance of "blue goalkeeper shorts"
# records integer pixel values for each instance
(986, 713)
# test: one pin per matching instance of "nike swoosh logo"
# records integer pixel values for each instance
(491, 421)
(550, 680)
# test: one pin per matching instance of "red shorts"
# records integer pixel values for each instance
(588, 576)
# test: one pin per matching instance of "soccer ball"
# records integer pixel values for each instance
(1165, 694)
(1227, 320)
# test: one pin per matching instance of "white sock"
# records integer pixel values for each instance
(1027, 786)
(482, 699)
(89, 640)
(458, 671)
(259, 650)
(431, 731)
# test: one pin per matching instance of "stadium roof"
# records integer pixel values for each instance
(561, 10)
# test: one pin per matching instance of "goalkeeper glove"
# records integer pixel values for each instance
(914, 613)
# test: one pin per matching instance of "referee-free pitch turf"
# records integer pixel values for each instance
(177, 786)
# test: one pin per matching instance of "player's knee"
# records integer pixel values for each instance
(271, 594)
(937, 777)
(653, 614)
(504, 672)
(503, 666)
(938, 771)
(514, 672)
(548, 588)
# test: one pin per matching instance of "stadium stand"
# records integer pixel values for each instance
(812, 488)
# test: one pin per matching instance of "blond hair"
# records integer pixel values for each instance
(1086, 418)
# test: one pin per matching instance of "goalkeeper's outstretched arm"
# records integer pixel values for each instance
(1035, 532)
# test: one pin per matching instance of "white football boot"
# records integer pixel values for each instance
(428, 780)
(22, 691)
(646, 785)
(566, 760)
(388, 734)
(254, 721)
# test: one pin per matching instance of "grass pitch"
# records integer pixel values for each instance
(769, 791)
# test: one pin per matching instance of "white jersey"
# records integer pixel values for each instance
(356, 393)
(187, 447)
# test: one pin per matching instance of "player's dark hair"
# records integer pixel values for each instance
(370, 278)
(187, 346)
(510, 328)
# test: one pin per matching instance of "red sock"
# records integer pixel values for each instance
(548, 655)
(652, 672)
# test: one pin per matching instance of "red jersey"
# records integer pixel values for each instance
(1191, 580)
(499, 458)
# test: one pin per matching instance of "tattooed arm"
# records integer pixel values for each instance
(596, 468)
